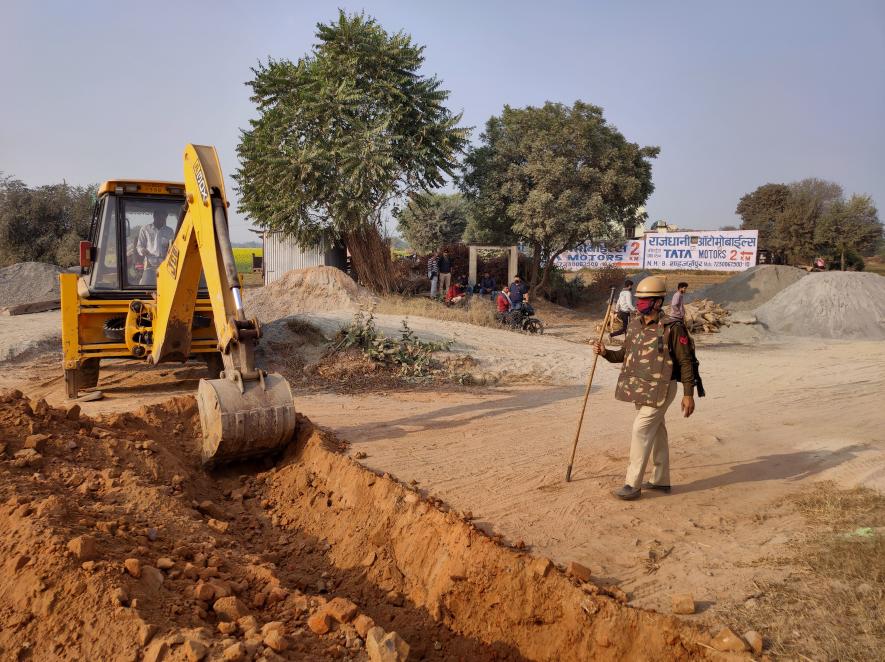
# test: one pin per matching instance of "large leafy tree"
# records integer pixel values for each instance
(43, 224)
(849, 226)
(787, 216)
(343, 133)
(431, 220)
(810, 200)
(760, 210)
(553, 177)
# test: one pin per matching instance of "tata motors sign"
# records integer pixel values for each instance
(717, 250)
(724, 250)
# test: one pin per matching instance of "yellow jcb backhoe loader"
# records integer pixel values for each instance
(141, 295)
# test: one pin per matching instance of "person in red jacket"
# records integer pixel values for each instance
(455, 294)
(503, 303)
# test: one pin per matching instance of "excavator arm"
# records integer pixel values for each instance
(247, 412)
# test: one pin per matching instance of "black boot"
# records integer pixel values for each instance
(660, 488)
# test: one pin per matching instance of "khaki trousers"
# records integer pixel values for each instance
(650, 438)
(445, 282)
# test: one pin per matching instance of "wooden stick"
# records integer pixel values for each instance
(568, 472)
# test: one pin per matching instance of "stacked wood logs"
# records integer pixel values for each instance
(704, 316)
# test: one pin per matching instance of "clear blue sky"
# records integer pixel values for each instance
(735, 93)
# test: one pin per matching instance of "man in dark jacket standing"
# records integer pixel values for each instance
(518, 290)
(657, 354)
(445, 272)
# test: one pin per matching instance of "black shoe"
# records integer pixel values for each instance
(660, 488)
(628, 493)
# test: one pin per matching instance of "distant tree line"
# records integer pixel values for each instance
(803, 220)
(44, 223)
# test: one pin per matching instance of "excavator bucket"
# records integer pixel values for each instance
(244, 419)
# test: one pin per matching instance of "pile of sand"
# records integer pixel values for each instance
(306, 290)
(835, 304)
(29, 282)
(751, 288)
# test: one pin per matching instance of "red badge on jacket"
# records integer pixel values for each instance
(683, 340)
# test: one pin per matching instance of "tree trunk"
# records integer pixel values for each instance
(548, 269)
(536, 263)
(370, 258)
(842, 262)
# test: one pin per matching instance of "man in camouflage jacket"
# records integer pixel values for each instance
(657, 353)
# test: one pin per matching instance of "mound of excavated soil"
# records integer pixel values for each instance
(116, 545)
(29, 282)
(751, 288)
(834, 304)
(306, 290)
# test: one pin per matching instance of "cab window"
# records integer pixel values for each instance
(148, 230)
(105, 273)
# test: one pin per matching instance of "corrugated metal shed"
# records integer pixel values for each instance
(282, 253)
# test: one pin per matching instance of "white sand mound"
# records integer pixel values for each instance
(751, 288)
(835, 304)
(29, 282)
(306, 290)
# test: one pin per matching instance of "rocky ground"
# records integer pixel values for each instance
(119, 547)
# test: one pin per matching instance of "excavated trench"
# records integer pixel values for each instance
(279, 540)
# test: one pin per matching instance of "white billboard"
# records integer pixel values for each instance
(717, 250)
(707, 250)
(591, 256)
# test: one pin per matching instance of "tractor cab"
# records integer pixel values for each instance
(133, 225)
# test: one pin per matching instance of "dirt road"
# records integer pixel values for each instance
(777, 416)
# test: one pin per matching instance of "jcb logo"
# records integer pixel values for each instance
(173, 261)
(201, 182)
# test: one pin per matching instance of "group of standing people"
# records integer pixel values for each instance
(440, 270)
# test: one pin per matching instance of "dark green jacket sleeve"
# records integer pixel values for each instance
(613, 355)
(680, 350)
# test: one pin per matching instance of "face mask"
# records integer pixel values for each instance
(645, 306)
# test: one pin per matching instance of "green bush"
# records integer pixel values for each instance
(409, 355)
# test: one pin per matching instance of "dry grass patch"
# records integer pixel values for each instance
(479, 310)
(833, 608)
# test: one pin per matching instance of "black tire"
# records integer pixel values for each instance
(86, 376)
(533, 325)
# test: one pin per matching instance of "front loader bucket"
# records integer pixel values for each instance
(239, 425)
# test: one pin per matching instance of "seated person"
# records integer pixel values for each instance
(153, 244)
(503, 304)
(455, 294)
(486, 284)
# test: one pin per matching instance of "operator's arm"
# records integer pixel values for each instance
(141, 243)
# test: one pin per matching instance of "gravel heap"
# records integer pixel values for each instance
(29, 282)
(751, 288)
(835, 304)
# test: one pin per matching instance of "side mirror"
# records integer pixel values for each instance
(85, 254)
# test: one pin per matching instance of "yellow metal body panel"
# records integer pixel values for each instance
(83, 319)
